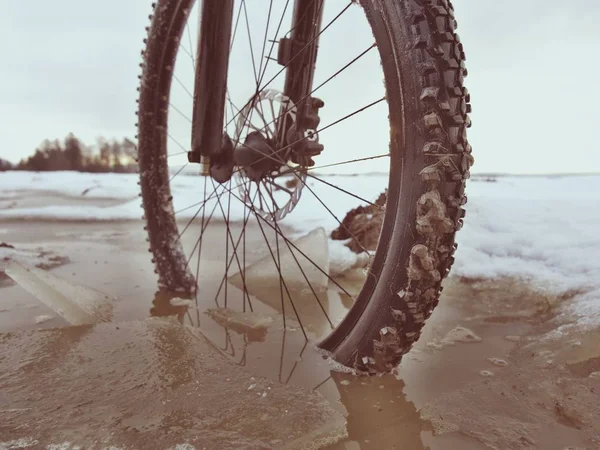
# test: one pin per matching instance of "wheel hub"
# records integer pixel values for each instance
(255, 156)
(265, 157)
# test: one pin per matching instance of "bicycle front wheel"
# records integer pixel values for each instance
(212, 241)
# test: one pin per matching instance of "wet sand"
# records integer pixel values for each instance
(494, 385)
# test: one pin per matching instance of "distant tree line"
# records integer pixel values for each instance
(73, 154)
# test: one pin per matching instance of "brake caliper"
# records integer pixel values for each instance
(302, 135)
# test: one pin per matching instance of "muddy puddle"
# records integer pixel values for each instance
(480, 377)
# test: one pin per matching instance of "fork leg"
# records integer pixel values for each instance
(210, 85)
(298, 54)
(306, 25)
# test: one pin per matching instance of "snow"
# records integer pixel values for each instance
(74, 184)
(541, 228)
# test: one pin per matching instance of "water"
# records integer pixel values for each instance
(134, 385)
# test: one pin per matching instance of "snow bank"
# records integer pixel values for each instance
(73, 184)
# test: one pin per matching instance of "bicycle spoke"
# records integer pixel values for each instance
(322, 383)
(368, 158)
(183, 86)
(281, 356)
(250, 43)
(287, 3)
(237, 21)
(181, 113)
(270, 192)
(261, 114)
(203, 229)
(343, 190)
(298, 250)
(258, 219)
(305, 185)
(228, 231)
(280, 274)
(176, 154)
(246, 294)
(180, 145)
(296, 363)
(346, 117)
(278, 231)
(265, 38)
(187, 26)
(200, 203)
(242, 236)
(227, 245)
(307, 45)
(199, 256)
(278, 186)
(178, 172)
(242, 362)
(323, 83)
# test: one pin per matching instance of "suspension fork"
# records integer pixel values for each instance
(210, 84)
(297, 53)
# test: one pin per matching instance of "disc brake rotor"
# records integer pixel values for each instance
(281, 109)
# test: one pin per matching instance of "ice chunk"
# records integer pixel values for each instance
(254, 325)
(78, 304)
(460, 334)
(181, 302)
(42, 259)
(43, 318)
(247, 320)
(314, 245)
(300, 274)
(498, 362)
(342, 259)
(456, 335)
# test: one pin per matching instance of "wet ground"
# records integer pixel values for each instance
(480, 377)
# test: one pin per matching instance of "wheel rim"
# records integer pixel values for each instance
(217, 200)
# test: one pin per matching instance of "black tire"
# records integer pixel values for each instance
(423, 64)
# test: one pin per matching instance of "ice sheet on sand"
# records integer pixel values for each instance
(295, 298)
(244, 321)
(38, 258)
(296, 269)
(77, 304)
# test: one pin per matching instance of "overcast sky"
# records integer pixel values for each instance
(71, 66)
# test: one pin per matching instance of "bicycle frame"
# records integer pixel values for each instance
(297, 54)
